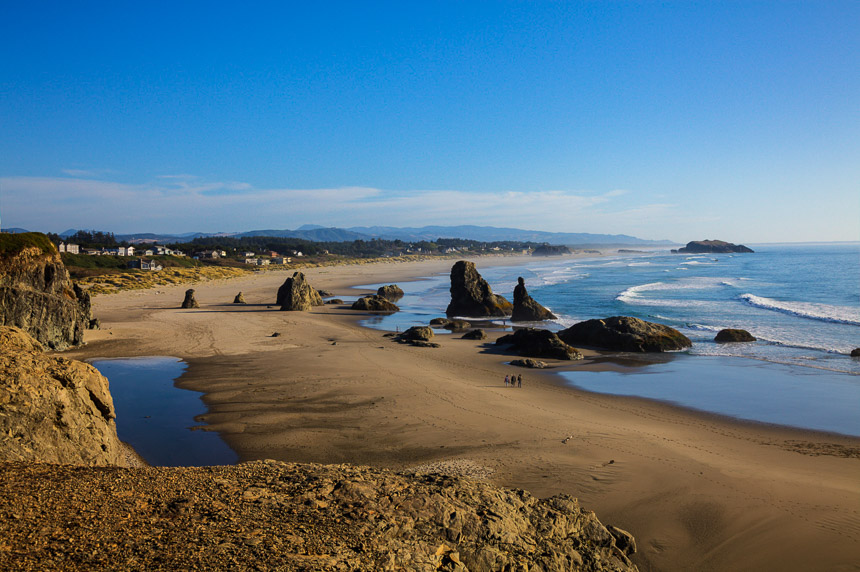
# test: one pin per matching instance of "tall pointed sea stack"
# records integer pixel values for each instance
(295, 294)
(190, 301)
(526, 309)
(472, 297)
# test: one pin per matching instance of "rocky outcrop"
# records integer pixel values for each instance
(295, 294)
(536, 343)
(267, 515)
(529, 362)
(416, 334)
(477, 334)
(375, 303)
(36, 293)
(526, 309)
(334, 301)
(855, 352)
(440, 322)
(53, 409)
(471, 295)
(392, 292)
(731, 335)
(550, 250)
(625, 334)
(711, 247)
(239, 299)
(190, 301)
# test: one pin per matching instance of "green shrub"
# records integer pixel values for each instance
(12, 243)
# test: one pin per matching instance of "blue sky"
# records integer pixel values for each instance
(679, 120)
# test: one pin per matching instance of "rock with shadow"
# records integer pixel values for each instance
(538, 343)
(526, 309)
(375, 303)
(391, 292)
(190, 301)
(626, 334)
(729, 335)
(472, 296)
(296, 294)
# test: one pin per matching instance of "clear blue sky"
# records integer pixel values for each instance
(679, 120)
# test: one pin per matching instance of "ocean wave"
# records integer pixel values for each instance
(808, 310)
(698, 263)
(639, 264)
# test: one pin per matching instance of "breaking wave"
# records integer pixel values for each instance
(822, 312)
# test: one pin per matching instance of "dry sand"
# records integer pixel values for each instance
(699, 492)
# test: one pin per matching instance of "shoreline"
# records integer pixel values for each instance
(694, 488)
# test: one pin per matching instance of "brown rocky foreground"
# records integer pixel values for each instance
(268, 515)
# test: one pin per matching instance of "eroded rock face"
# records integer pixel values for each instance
(295, 294)
(477, 334)
(53, 409)
(537, 343)
(626, 334)
(526, 309)
(471, 295)
(190, 301)
(239, 299)
(37, 295)
(392, 292)
(375, 303)
(417, 334)
(271, 516)
(731, 335)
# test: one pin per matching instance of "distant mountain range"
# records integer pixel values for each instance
(317, 233)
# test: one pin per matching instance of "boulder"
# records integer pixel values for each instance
(457, 325)
(416, 333)
(440, 322)
(239, 299)
(623, 540)
(472, 296)
(529, 362)
(190, 301)
(526, 309)
(711, 247)
(477, 334)
(855, 352)
(391, 292)
(626, 334)
(730, 335)
(37, 294)
(533, 342)
(324, 293)
(374, 303)
(53, 409)
(334, 301)
(296, 295)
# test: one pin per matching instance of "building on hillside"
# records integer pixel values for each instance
(248, 254)
(281, 260)
(70, 248)
(142, 264)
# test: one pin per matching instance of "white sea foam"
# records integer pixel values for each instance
(822, 312)
(639, 264)
(697, 263)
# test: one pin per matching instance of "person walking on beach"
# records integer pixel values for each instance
(507, 381)
(520, 380)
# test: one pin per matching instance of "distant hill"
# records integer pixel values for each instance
(312, 232)
(15, 230)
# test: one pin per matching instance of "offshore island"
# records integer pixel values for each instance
(440, 455)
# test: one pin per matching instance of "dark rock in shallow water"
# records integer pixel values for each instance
(478, 334)
(533, 342)
(295, 294)
(440, 322)
(711, 246)
(457, 325)
(374, 304)
(855, 352)
(626, 334)
(730, 335)
(334, 301)
(190, 301)
(324, 293)
(526, 309)
(529, 362)
(239, 299)
(471, 295)
(392, 292)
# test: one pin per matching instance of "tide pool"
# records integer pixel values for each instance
(155, 417)
(746, 389)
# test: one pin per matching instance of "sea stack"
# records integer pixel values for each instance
(295, 294)
(526, 309)
(471, 295)
(190, 301)
(625, 334)
(711, 247)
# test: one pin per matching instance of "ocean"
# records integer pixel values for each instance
(801, 301)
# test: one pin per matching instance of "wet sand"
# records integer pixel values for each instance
(699, 492)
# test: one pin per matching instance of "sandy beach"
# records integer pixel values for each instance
(699, 492)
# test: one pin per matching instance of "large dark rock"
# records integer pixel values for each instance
(417, 333)
(730, 335)
(855, 352)
(295, 294)
(477, 334)
(392, 292)
(36, 293)
(711, 246)
(550, 250)
(626, 334)
(190, 301)
(533, 342)
(374, 304)
(526, 309)
(471, 296)
(239, 299)
(53, 409)
(529, 362)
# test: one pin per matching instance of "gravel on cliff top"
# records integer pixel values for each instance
(267, 515)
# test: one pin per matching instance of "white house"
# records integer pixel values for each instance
(70, 248)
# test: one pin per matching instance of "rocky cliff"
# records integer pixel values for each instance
(268, 515)
(471, 295)
(53, 409)
(36, 293)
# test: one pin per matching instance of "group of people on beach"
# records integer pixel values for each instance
(513, 381)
